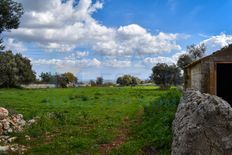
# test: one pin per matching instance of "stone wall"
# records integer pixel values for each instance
(196, 77)
(202, 125)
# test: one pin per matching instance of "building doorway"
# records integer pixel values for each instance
(224, 81)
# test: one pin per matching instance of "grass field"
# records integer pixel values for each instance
(95, 120)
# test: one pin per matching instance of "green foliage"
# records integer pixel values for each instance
(61, 80)
(128, 80)
(194, 52)
(184, 60)
(166, 75)
(99, 81)
(15, 70)
(10, 14)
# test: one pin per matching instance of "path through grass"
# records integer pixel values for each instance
(81, 120)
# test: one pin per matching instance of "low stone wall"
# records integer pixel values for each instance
(38, 86)
(202, 125)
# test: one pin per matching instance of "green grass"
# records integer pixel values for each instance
(80, 120)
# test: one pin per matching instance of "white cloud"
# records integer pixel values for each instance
(117, 63)
(216, 42)
(160, 59)
(68, 65)
(77, 55)
(59, 26)
(15, 46)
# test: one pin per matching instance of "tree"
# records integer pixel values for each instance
(92, 83)
(164, 75)
(15, 70)
(25, 73)
(99, 81)
(61, 80)
(196, 51)
(119, 80)
(135, 81)
(184, 60)
(71, 78)
(10, 14)
(48, 78)
(127, 80)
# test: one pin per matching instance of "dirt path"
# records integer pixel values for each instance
(122, 134)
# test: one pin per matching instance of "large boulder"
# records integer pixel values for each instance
(202, 125)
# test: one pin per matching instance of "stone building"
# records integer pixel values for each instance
(212, 74)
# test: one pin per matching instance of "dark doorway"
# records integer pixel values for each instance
(224, 81)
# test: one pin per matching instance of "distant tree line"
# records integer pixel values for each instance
(98, 82)
(60, 80)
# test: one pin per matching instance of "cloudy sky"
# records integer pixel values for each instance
(109, 38)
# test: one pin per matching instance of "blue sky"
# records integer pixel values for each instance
(114, 37)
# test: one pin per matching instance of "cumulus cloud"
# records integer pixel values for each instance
(63, 26)
(216, 42)
(117, 63)
(77, 55)
(68, 65)
(15, 46)
(160, 59)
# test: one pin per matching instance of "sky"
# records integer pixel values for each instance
(110, 38)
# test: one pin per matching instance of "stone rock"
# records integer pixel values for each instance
(3, 113)
(28, 138)
(12, 139)
(32, 121)
(202, 125)
(9, 124)
(4, 148)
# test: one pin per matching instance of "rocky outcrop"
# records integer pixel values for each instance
(202, 125)
(9, 124)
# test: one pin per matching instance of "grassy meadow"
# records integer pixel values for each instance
(95, 120)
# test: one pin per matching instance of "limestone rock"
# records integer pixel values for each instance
(3, 113)
(202, 125)
(9, 124)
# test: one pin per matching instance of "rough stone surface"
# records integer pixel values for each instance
(202, 125)
(3, 113)
(8, 124)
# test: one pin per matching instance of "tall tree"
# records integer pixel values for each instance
(164, 75)
(15, 70)
(196, 51)
(10, 14)
(71, 78)
(99, 81)
(184, 60)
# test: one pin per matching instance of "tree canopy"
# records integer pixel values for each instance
(99, 81)
(127, 80)
(10, 14)
(194, 52)
(15, 70)
(166, 75)
(61, 80)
